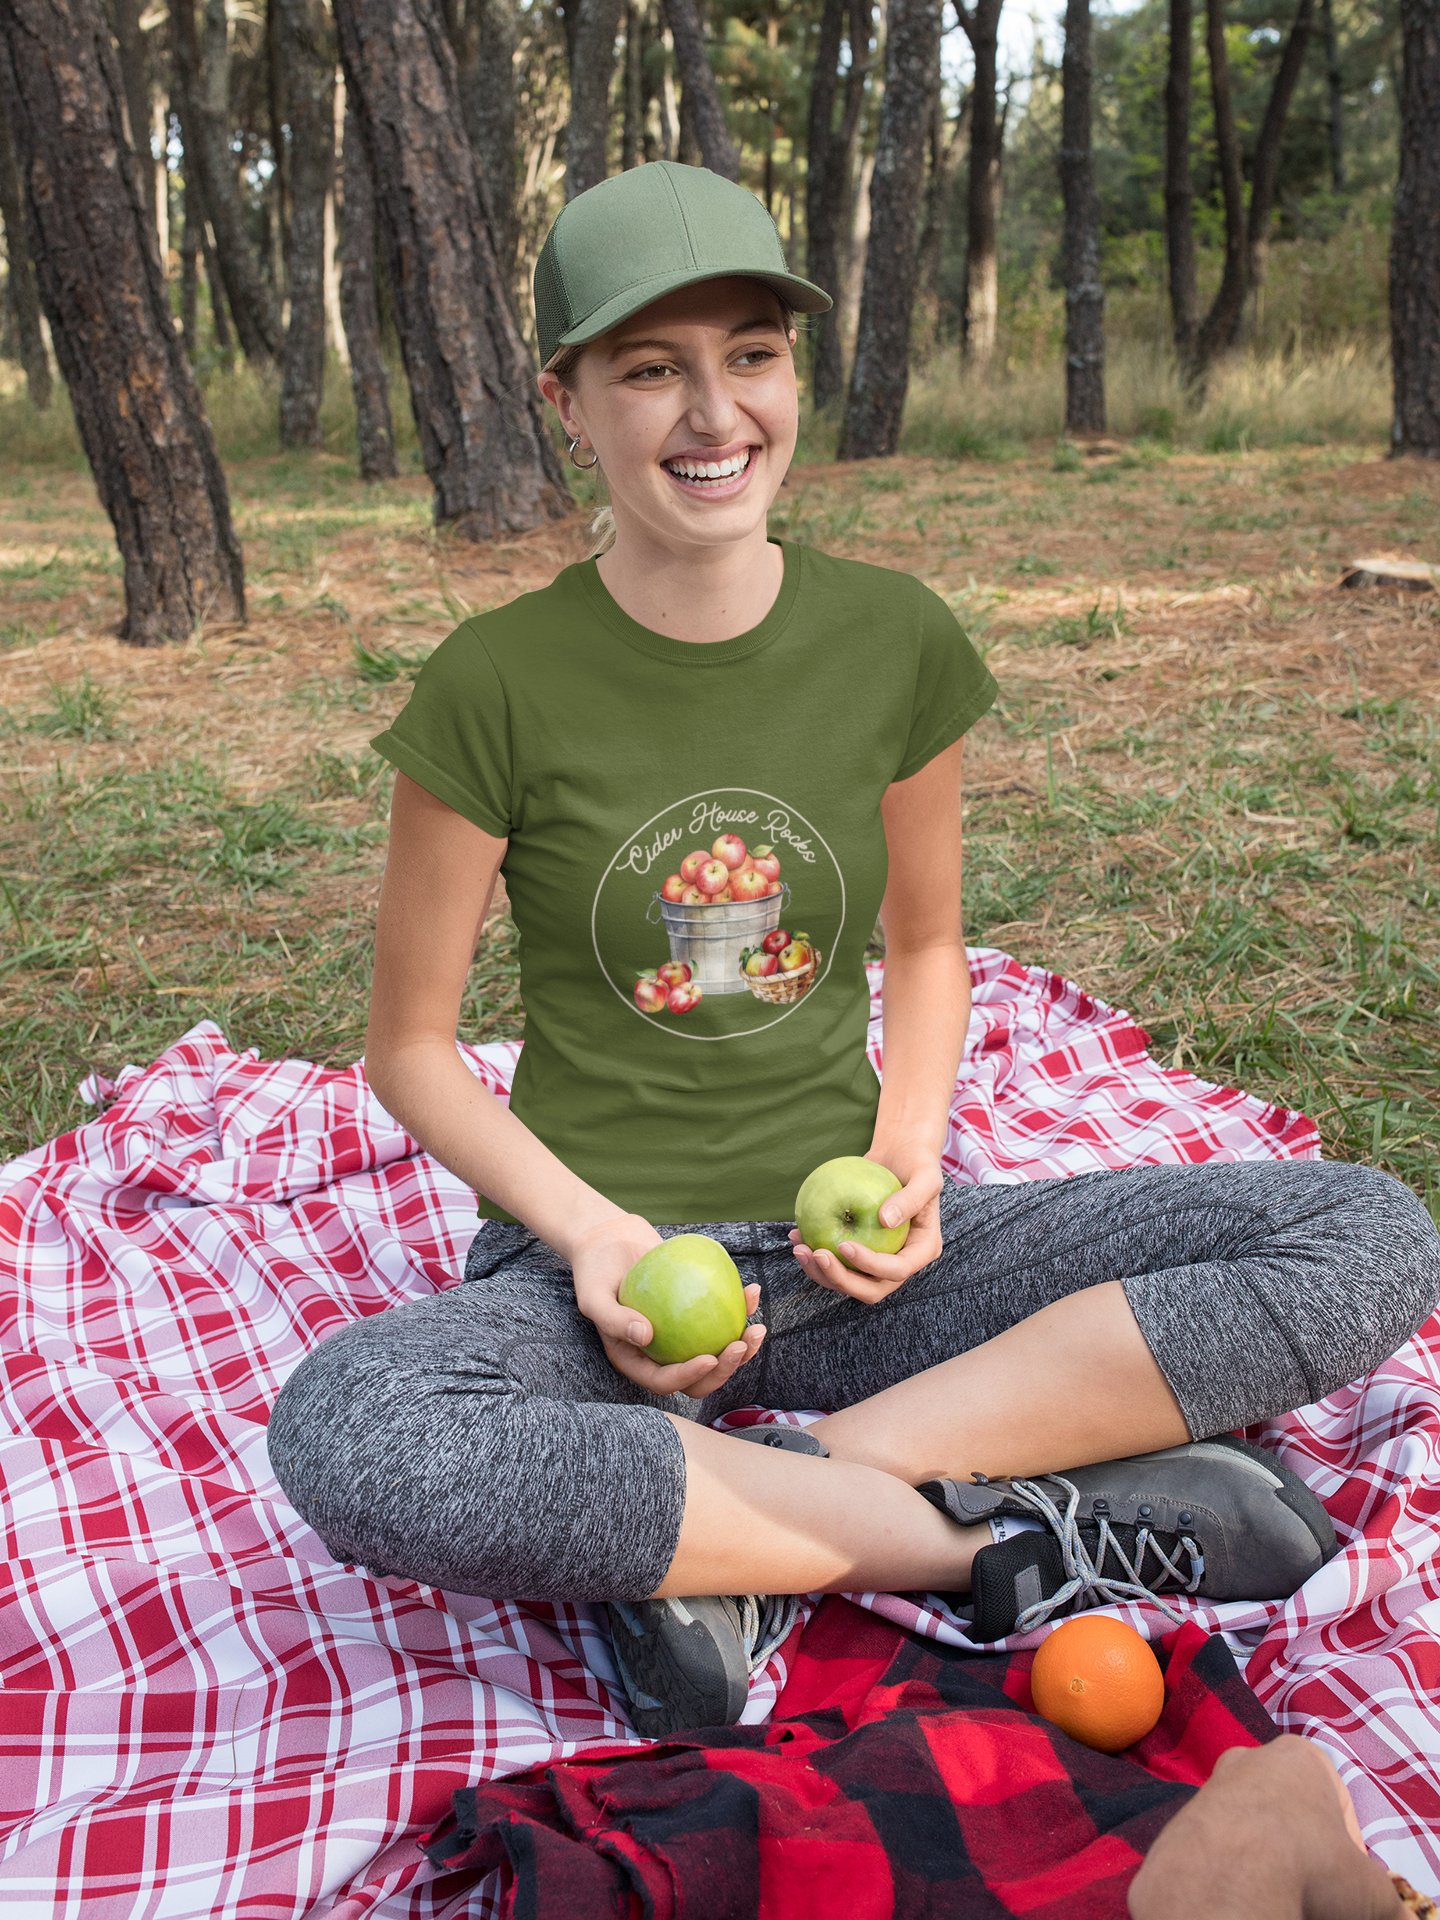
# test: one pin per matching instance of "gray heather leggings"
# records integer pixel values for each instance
(480, 1440)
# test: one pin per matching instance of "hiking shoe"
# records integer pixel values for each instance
(687, 1663)
(786, 1439)
(1218, 1519)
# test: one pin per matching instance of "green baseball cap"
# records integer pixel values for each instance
(640, 235)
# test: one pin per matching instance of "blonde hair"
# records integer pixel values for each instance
(565, 365)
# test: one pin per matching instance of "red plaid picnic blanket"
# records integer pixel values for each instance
(897, 1777)
(204, 1715)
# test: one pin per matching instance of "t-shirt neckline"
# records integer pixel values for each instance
(690, 653)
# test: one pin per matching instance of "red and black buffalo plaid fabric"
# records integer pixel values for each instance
(898, 1779)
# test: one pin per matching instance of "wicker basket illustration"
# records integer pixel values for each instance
(784, 989)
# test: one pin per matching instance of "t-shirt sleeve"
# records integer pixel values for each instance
(453, 735)
(953, 686)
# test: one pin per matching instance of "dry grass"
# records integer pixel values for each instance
(1210, 792)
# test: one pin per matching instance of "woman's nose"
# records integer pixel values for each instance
(712, 409)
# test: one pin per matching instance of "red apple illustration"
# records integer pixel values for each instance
(692, 864)
(692, 897)
(713, 876)
(721, 899)
(798, 954)
(759, 964)
(748, 884)
(766, 861)
(773, 888)
(777, 941)
(674, 973)
(682, 999)
(650, 996)
(673, 889)
(731, 849)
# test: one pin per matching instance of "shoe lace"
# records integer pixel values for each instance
(1084, 1579)
(766, 1620)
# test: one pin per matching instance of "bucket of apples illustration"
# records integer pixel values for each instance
(718, 907)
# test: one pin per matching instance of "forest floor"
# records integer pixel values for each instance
(1210, 792)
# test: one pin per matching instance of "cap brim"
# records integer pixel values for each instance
(802, 296)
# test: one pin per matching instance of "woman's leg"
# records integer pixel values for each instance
(1068, 1321)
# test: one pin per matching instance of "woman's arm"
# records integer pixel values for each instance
(927, 1010)
(438, 885)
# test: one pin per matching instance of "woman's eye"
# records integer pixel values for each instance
(755, 357)
(657, 372)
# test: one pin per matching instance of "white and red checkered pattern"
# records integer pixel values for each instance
(205, 1716)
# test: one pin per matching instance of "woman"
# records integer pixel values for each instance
(649, 749)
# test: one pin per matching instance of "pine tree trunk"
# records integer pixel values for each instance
(205, 131)
(492, 124)
(135, 73)
(829, 181)
(1084, 294)
(1220, 329)
(633, 99)
(1415, 239)
(981, 313)
(592, 69)
(1266, 168)
(277, 198)
(879, 377)
(374, 433)
(23, 293)
(482, 433)
(1179, 188)
(307, 52)
(135, 401)
(700, 102)
(1335, 96)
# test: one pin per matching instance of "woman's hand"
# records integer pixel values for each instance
(918, 1201)
(600, 1260)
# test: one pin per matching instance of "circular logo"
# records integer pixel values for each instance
(720, 916)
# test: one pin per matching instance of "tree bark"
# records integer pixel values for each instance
(23, 292)
(1179, 188)
(135, 401)
(829, 177)
(981, 311)
(482, 433)
(135, 74)
(205, 131)
(1335, 93)
(1266, 168)
(1220, 329)
(633, 93)
(307, 53)
(1415, 239)
(369, 381)
(592, 68)
(1084, 294)
(700, 101)
(881, 371)
(279, 195)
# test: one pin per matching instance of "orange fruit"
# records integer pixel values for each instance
(1097, 1680)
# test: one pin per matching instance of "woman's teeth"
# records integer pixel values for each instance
(698, 472)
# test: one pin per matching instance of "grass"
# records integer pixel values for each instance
(1211, 791)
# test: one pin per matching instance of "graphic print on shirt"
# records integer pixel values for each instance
(719, 915)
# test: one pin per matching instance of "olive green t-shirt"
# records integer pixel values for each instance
(608, 756)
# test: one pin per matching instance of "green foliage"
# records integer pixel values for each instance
(80, 711)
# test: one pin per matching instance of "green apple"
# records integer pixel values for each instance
(690, 1291)
(841, 1201)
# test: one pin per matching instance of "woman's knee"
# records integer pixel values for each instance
(1359, 1269)
(474, 1472)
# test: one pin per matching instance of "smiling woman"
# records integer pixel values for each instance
(706, 761)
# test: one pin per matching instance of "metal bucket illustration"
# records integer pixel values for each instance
(711, 939)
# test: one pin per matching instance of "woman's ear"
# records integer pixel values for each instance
(563, 402)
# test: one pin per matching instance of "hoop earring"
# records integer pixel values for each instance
(584, 466)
